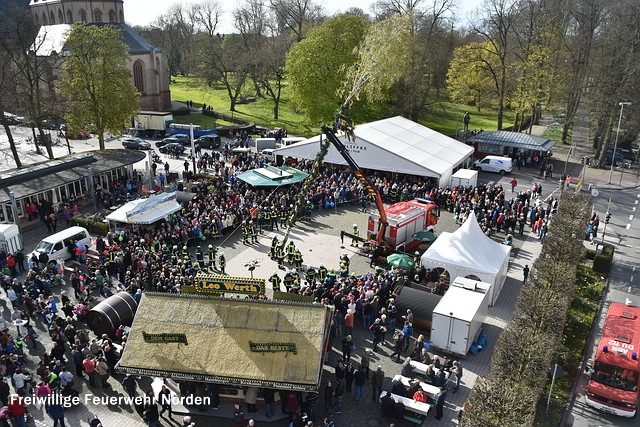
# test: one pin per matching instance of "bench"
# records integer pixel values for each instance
(413, 419)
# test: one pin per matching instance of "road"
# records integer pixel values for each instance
(623, 231)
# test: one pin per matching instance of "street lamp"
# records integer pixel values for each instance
(615, 146)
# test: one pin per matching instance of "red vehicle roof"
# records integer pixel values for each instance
(621, 335)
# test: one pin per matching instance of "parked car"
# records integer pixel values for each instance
(208, 141)
(136, 144)
(172, 148)
(619, 157)
(166, 141)
(182, 138)
(268, 154)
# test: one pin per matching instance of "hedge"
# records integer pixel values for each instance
(91, 225)
(603, 260)
(510, 392)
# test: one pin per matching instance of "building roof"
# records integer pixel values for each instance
(50, 174)
(394, 144)
(228, 341)
(53, 37)
(270, 176)
(505, 138)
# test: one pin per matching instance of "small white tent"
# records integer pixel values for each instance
(469, 252)
(395, 144)
(146, 211)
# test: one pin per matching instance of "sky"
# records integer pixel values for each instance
(143, 12)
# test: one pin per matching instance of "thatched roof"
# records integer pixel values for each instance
(218, 332)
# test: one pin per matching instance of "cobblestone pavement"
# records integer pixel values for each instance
(363, 413)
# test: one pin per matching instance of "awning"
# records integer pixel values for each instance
(271, 176)
(519, 140)
(146, 211)
(228, 341)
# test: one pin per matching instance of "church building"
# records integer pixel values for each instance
(149, 69)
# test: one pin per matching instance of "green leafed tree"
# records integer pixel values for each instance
(316, 66)
(471, 75)
(96, 80)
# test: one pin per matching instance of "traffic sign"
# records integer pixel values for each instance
(595, 192)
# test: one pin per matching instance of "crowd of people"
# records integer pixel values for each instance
(158, 258)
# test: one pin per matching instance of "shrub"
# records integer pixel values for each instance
(182, 111)
(602, 261)
(91, 225)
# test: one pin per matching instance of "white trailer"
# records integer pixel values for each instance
(152, 120)
(457, 319)
(10, 239)
(263, 144)
(465, 178)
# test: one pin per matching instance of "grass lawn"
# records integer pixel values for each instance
(554, 132)
(441, 118)
(205, 122)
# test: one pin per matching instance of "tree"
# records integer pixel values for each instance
(471, 75)
(586, 17)
(316, 66)
(495, 25)
(96, 80)
(6, 83)
(296, 15)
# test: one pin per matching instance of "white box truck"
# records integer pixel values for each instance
(263, 144)
(457, 319)
(10, 239)
(464, 178)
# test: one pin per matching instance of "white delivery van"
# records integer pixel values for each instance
(56, 245)
(10, 239)
(497, 164)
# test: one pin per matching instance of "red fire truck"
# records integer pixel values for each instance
(404, 219)
(613, 383)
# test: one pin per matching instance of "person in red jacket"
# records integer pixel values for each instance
(11, 263)
(17, 409)
(420, 396)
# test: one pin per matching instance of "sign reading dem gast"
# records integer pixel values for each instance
(219, 283)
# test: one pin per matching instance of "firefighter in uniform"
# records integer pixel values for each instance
(280, 255)
(187, 261)
(245, 233)
(274, 245)
(345, 259)
(297, 259)
(223, 263)
(295, 286)
(252, 231)
(356, 233)
(275, 281)
(283, 216)
(322, 273)
(308, 207)
(288, 280)
(311, 275)
(185, 252)
(199, 256)
(273, 216)
(332, 276)
(291, 250)
(214, 230)
(212, 256)
(344, 269)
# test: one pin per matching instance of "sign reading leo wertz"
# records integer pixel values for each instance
(220, 283)
(164, 338)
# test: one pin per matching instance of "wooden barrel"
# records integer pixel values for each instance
(106, 317)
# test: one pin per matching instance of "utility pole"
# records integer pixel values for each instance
(615, 146)
(607, 218)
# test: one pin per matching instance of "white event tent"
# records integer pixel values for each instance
(395, 144)
(146, 211)
(469, 252)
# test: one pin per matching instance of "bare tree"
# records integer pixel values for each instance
(586, 17)
(6, 84)
(495, 25)
(296, 15)
(208, 14)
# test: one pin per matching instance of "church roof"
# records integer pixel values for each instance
(52, 38)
